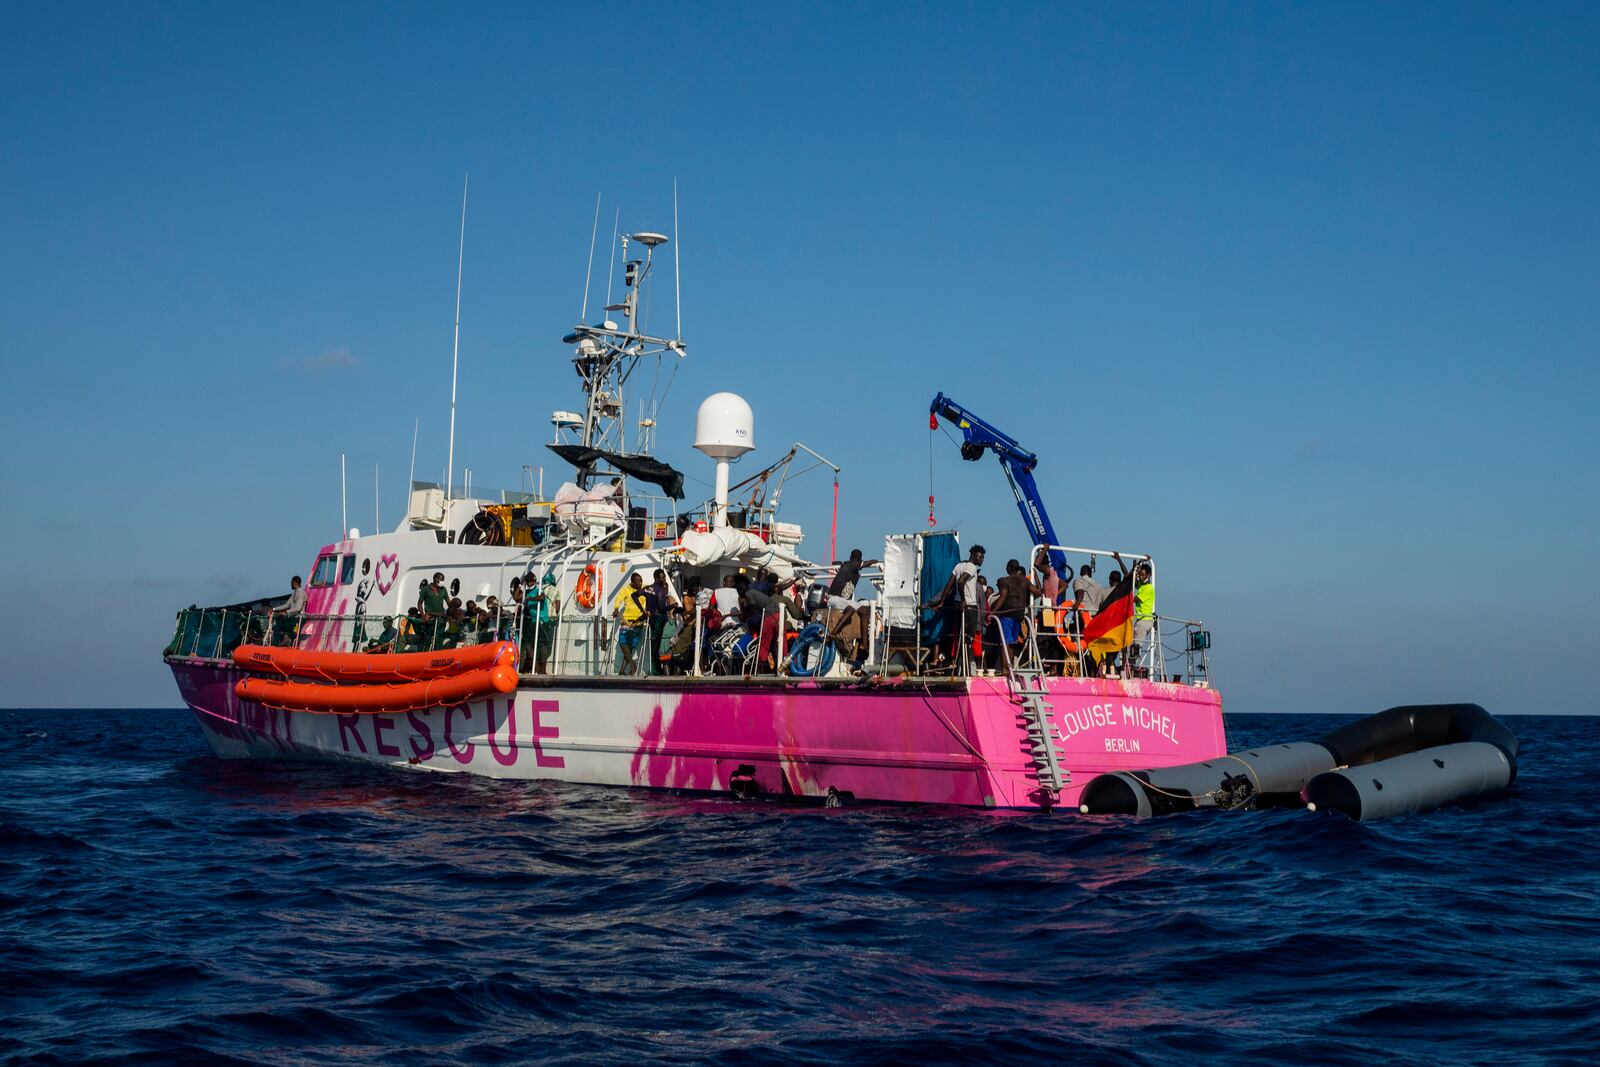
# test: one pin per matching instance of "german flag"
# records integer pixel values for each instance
(1111, 629)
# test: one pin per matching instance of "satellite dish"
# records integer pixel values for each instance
(650, 240)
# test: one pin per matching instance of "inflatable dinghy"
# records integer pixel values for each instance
(1407, 759)
(363, 683)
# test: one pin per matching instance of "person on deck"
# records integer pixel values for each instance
(1049, 580)
(1087, 596)
(287, 618)
(432, 600)
(454, 620)
(388, 639)
(1050, 583)
(660, 603)
(489, 616)
(433, 604)
(783, 610)
(960, 602)
(1086, 592)
(542, 610)
(726, 598)
(757, 596)
(695, 595)
(630, 610)
(1144, 618)
(1109, 663)
(842, 603)
(412, 632)
(1010, 607)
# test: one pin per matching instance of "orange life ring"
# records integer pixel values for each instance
(1069, 642)
(584, 594)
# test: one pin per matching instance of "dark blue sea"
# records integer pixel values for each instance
(161, 906)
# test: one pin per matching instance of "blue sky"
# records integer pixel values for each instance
(1300, 299)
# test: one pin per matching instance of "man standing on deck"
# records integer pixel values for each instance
(432, 605)
(1011, 606)
(1144, 617)
(288, 616)
(543, 607)
(432, 601)
(1087, 593)
(660, 603)
(959, 601)
(629, 608)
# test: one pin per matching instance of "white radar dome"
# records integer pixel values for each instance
(724, 427)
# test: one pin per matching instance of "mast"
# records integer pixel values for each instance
(455, 355)
(607, 353)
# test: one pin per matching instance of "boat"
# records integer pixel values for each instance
(876, 695)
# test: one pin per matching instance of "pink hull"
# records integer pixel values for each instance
(946, 743)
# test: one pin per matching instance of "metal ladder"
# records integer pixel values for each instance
(1029, 690)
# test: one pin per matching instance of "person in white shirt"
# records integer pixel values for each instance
(287, 618)
(726, 598)
(959, 600)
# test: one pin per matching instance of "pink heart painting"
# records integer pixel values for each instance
(388, 570)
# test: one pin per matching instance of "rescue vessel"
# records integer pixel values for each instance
(885, 692)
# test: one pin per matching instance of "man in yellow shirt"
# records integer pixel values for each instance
(629, 609)
(1143, 653)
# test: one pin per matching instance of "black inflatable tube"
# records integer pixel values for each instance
(1109, 794)
(1412, 782)
(1413, 727)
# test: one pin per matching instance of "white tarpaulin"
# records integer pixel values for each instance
(900, 569)
(727, 545)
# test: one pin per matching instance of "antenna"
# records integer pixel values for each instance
(455, 355)
(344, 514)
(594, 231)
(377, 522)
(412, 477)
(677, 278)
(612, 269)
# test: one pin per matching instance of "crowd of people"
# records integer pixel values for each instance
(740, 619)
(987, 626)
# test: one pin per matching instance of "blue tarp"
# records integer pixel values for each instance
(940, 554)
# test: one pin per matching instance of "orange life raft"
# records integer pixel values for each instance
(376, 699)
(367, 683)
(368, 667)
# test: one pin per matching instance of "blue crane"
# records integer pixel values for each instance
(978, 437)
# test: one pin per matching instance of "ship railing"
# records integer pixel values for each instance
(213, 633)
(1055, 639)
(210, 633)
(1054, 642)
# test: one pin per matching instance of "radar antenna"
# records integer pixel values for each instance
(606, 353)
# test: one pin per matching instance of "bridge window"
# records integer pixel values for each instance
(327, 567)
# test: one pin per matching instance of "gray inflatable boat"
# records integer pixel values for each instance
(1413, 758)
